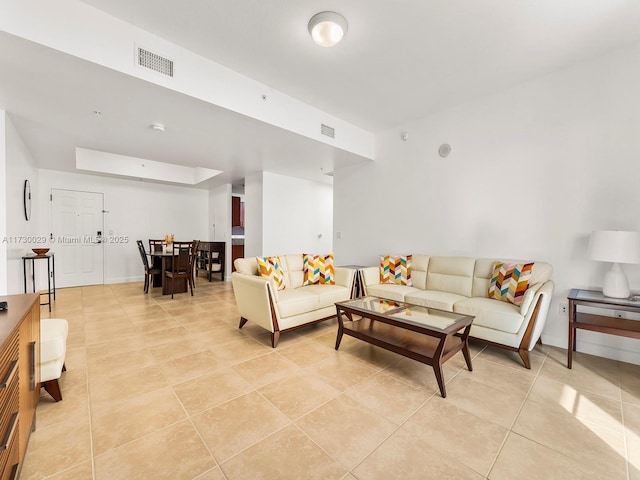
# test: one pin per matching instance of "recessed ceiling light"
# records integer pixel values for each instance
(159, 127)
(327, 28)
(97, 113)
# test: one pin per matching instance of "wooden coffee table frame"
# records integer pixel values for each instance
(423, 343)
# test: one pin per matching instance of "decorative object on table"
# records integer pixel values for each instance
(26, 199)
(168, 240)
(41, 252)
(617, 247)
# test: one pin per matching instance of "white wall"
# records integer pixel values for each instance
(21, 234)
(253, 219)
(297, 216)
(139, 210)
(220, 220)
(533, 171)
(3, 204)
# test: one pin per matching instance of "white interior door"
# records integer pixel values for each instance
(76, 235)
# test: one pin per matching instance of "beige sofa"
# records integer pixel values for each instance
(296, 306)
(461, 284)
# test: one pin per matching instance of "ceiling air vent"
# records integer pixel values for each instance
(327, 130)
(155, 62)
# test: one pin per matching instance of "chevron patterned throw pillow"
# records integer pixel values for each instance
(396, 270)
(509, 281)
(318, 269)
(269, 267)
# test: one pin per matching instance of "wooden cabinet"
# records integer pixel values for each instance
(19, 378)
(237, 251)
(237, 212)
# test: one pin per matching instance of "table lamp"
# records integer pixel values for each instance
(617, 247)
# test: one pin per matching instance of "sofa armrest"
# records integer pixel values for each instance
(345, 277)
(536, 317)
(256, 299)
(529, 295)
(370, 276)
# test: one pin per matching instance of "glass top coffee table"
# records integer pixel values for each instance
(427, 335)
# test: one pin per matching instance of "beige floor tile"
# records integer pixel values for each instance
(211, 390)
(453, 429)
(307, 353)
(119, 388)
(389, 397)
(75, 403)
(142, 414)
(485, 401)
(298, 395)
(57, 448)
(588, 373)
(582, 405)
(240, 350)
(220, 335)
(190, 366)
(407, 456)
(375, 356)
(213, 474)
(84, 471)
(266, 369)
(520, 455)
(630, 382)
(632, 435)
(73, 377)
(287, 454)
(182, 456)
(419, 375)
(176, 349)
(512, 359)
(329, 340)
(346, 430)
(596, 448)
(120, 363)
(169, 335)
(114, 347)
(501, 377)
(235, 425)
(342, 371)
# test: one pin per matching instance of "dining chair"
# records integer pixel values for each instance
(149, 271)
(211, 258)
(155, 245)
(182, 263)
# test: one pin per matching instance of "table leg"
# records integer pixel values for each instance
(53, 274)
(340, 328)
(465, 348)
(49, 282)
(437, 369)
(24, 273)
(571, 346)
(33, 275)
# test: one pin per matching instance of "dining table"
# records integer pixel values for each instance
(162, 259)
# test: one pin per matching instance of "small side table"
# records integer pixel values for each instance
(358, 283)
(51, 274)
(606, 322)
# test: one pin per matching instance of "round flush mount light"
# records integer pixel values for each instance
(158, 127)
(327, 28)
(444, 150)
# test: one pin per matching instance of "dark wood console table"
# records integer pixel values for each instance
(607, 322)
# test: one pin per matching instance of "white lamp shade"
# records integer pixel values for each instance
(615, 246)
(327, 28)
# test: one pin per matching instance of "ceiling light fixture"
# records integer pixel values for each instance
(158, 127)
(327, 28)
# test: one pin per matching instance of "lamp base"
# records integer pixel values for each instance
(616, 284)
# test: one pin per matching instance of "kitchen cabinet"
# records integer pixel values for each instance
(237, 212)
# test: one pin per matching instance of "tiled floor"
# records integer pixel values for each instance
(160, 388)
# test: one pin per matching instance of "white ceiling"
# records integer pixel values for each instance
(400, 60)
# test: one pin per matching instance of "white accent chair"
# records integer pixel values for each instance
(53, 348)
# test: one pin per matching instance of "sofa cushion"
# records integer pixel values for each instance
(509, 281)
(246, 266)
(328, 295)
(541, 273)
(295, 301)
(392, 292)
(395, 270)
(318, 269)
(491, 313)
(434, 299)
(270, 267)
(451, 274)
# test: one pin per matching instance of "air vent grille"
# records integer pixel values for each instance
(155, 62)
(327, 130)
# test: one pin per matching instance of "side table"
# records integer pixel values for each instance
(51, 274)
(358, 284)
(605, 322)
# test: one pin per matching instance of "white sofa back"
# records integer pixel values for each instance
(292, 265)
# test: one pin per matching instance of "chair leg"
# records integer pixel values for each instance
(242, 322)
(173, 279)
(52, 387)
